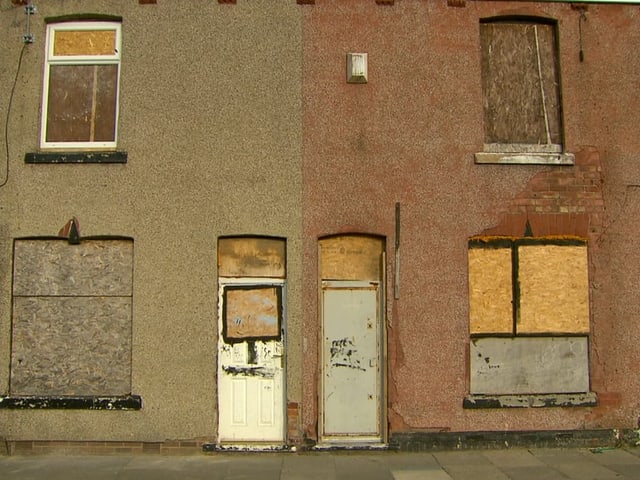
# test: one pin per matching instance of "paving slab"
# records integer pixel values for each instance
(462, 458)
(424, 474)
(515, 458)
(578, 464)
(534, 473)
(365, 467)
(475, 472)
(308, 466)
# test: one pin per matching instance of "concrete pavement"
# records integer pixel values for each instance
(516, 464)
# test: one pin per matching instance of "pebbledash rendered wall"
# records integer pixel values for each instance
(409, 136)
(210, 120)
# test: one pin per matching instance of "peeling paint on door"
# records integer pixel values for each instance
(250, 361)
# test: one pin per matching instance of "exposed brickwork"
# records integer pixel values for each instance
(293, 423)
(558, 201)
(456, 3)
(178, 447)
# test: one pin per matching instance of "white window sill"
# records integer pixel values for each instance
(529, 158)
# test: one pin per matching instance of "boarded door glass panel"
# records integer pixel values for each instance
(252, 313)
(252, 257)
(351, 257)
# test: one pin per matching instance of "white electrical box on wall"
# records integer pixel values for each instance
(356, 68)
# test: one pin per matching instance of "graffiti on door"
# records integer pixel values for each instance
(345, 354)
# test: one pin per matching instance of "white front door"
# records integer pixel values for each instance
(351, 363)
(251, 362)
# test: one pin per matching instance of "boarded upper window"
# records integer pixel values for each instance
(521, 91)
(80, 99)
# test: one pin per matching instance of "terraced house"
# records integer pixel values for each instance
(318, 223)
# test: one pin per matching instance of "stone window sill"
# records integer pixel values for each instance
(524, 158)
(76, 157)
(128, 402)
(589, 399)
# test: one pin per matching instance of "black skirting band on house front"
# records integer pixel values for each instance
(76, 157)
(434, 441)
(129, 402)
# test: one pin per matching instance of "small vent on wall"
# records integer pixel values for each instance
(356, 68)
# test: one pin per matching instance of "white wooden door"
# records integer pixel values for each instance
(251, 362)
(351, 363)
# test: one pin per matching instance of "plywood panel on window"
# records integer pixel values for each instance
(529, 365)
(84, 42)
(71, 346)
(351, 257)
(53, 267)
(82, 103)
(490, 292)
(252, 257)
(252, 312)
(70, 103)
(520, 83)
(106, 98)
(554, 289)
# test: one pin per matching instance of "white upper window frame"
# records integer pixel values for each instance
(52, 59)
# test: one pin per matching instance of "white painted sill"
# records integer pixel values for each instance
(529, 158)
(524, 154)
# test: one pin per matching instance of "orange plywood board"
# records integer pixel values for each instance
(490, 292)
(84, 42)
(554, 289)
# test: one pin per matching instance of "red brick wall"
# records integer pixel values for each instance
(409, 136)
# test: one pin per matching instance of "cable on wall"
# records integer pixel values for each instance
(8, 116)
(27, 39)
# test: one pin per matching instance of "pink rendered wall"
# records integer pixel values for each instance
(409, 136)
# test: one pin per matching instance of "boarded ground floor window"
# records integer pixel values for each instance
(528, 316)
(71, 333)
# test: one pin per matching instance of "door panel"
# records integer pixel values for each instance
(250, 369)
(351, 376)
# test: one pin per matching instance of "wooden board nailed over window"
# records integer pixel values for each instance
(82, 103)
(520, 83)
(84, 42)
(528, 286)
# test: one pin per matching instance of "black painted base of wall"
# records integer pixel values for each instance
(128, 402)
(433, 441)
